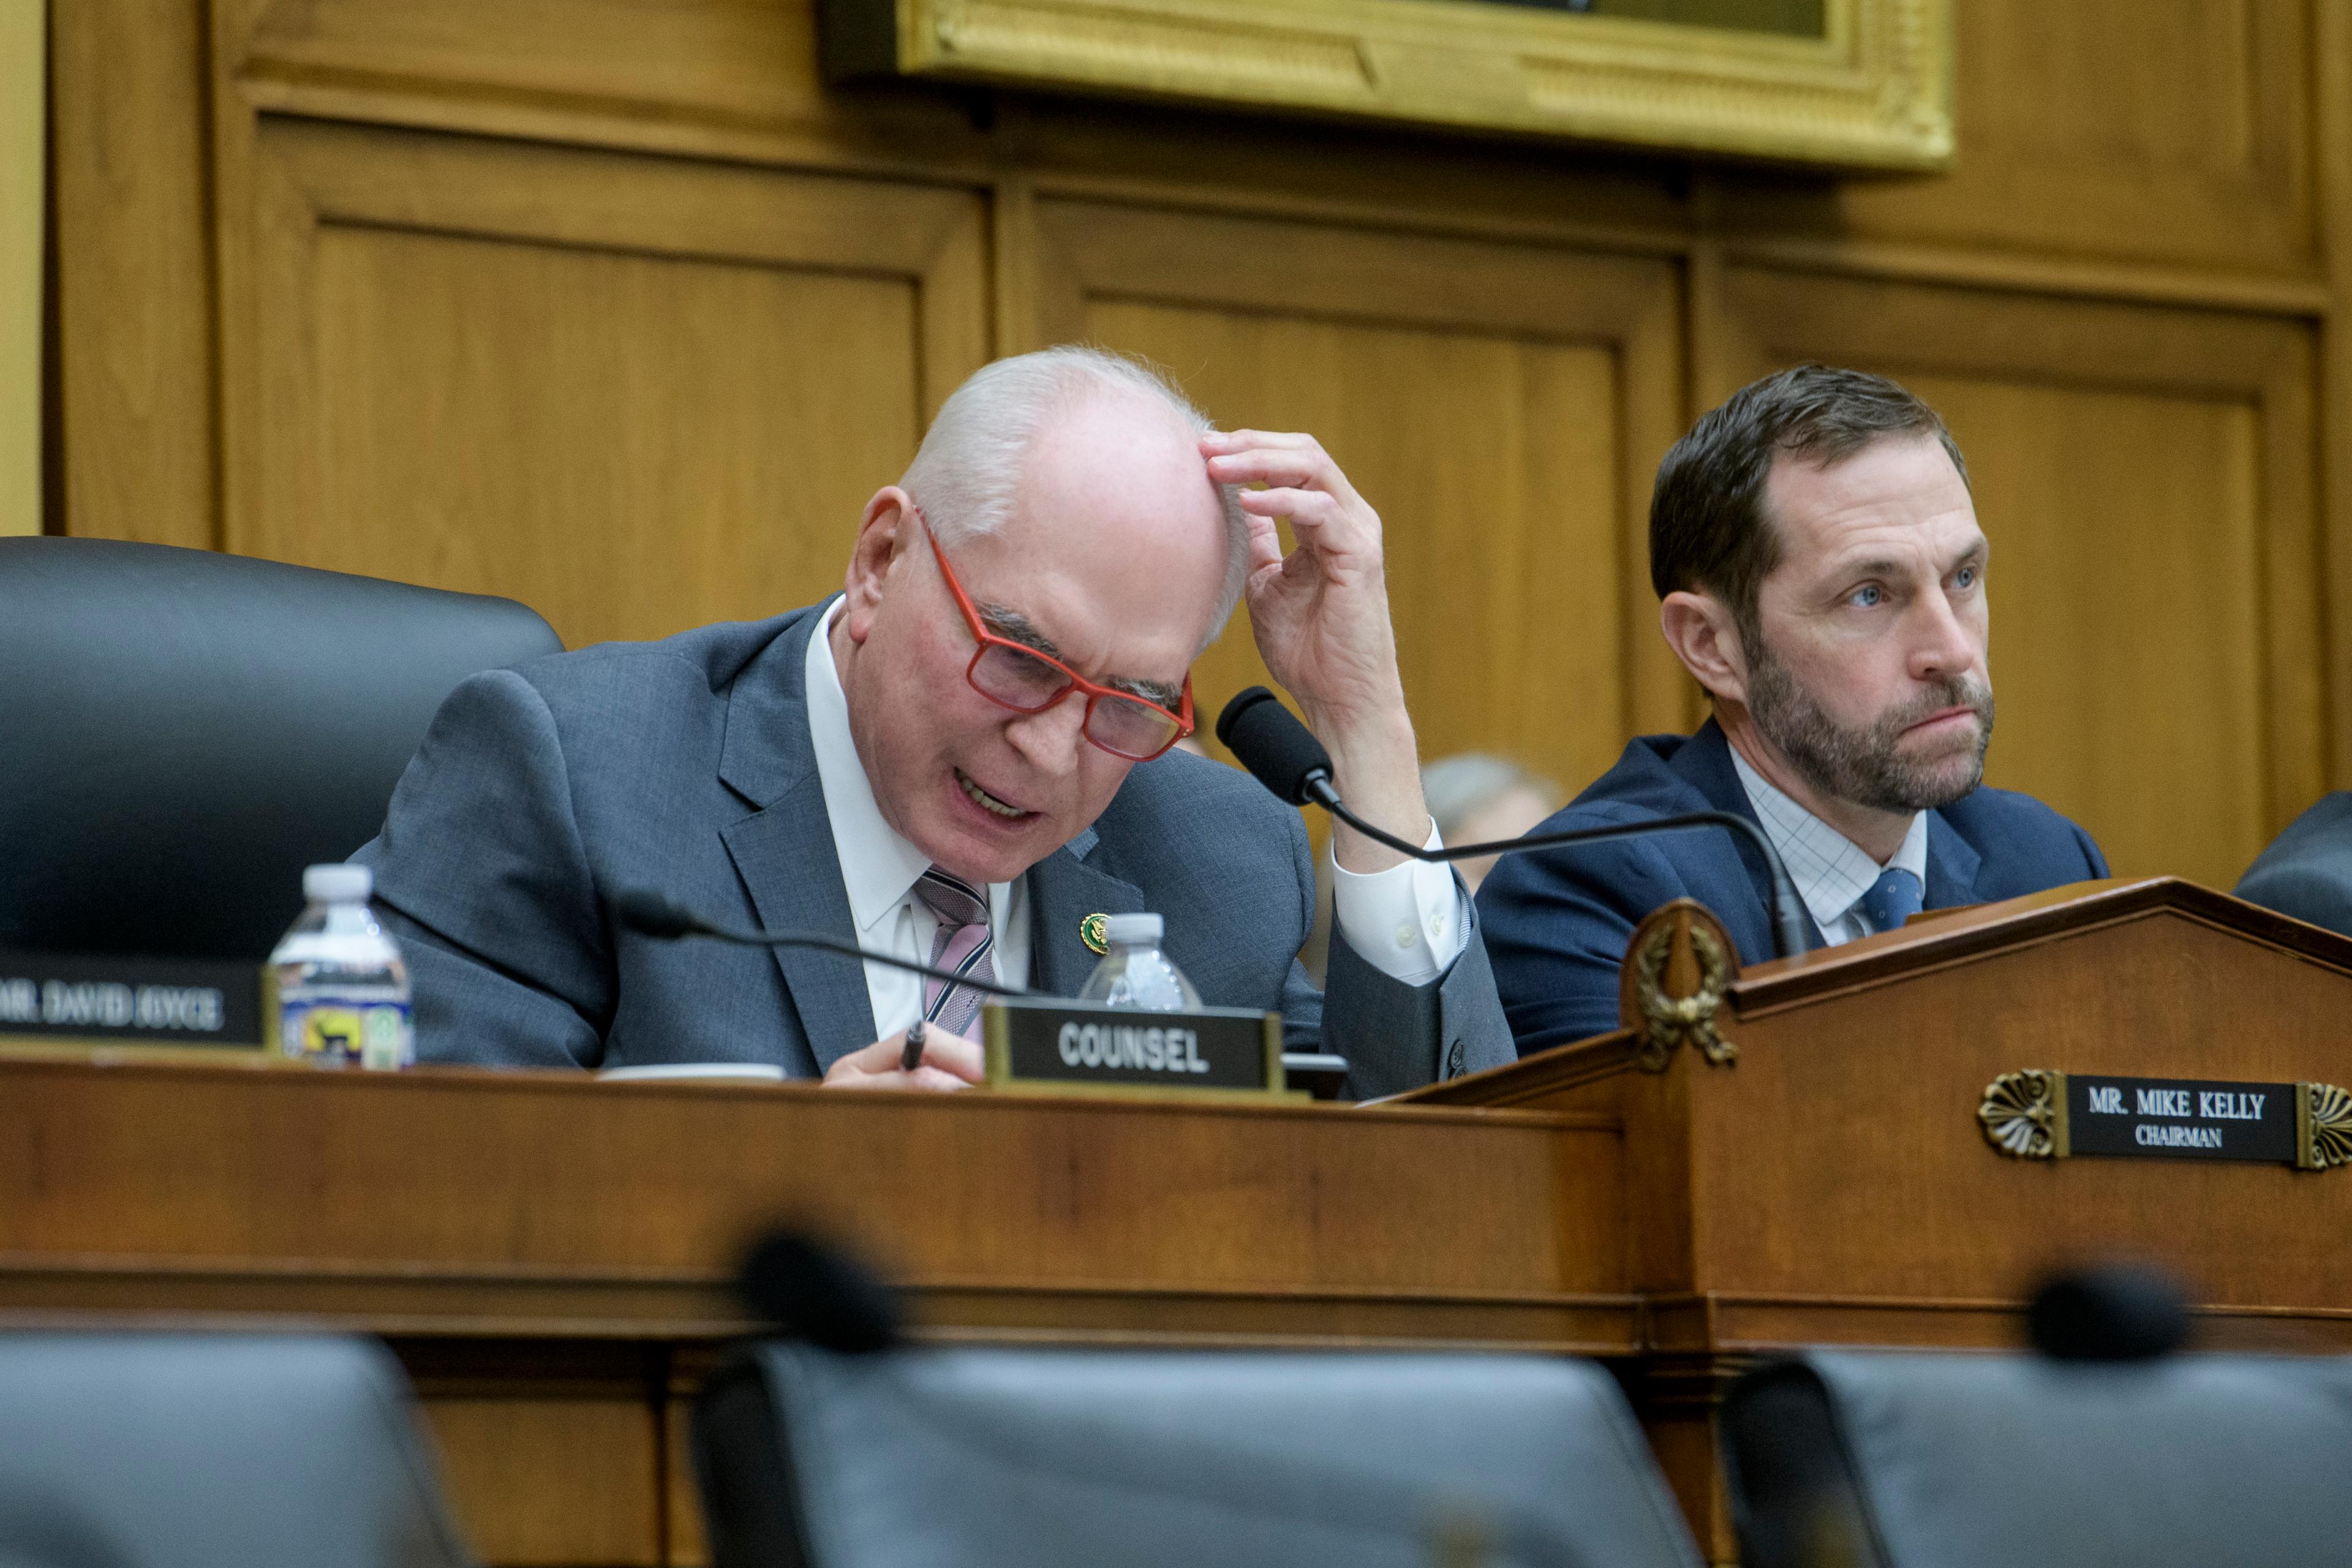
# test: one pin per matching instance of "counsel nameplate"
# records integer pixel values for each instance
(50, 1000)
(1087, 1045)
(2044, 1114)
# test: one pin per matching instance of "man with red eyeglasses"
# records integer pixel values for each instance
(958, 760)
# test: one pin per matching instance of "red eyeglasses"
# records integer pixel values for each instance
(1027, 681)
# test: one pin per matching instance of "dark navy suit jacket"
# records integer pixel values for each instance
(1557, 921)
(2308, 870)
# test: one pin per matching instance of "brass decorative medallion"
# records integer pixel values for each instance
(1091, 931)
(2024, 1114)
(1668, 1022)
(2324, 1126)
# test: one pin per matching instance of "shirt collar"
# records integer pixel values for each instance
(1832, 871)
(879, 867)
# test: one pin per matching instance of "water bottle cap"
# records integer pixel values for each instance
(337, 884)
(1133, 929)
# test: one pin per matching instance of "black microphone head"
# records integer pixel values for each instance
(819, 1292)
(1268, 739)
(2116, 1312)
(641, 909)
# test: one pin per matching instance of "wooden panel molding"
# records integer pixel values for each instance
(635, 394)
(2179, 133)
(2332, 51)
(731, 78)
(134, 290)
(1503, 426)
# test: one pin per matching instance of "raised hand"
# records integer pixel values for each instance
(1320, 616)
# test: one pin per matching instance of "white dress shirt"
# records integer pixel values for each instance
(1408, 922)
(1832, 871)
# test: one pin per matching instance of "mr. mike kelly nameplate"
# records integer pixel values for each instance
(2044, 1115)
(1085, 1045)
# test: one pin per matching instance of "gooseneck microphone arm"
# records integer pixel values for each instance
(1283, 755)
(655, 916)
(1788, 930)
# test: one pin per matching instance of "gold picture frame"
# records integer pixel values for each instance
(1872, 89)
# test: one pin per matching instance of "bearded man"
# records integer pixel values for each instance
(1821, 573)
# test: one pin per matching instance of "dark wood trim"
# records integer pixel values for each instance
(1988, 929)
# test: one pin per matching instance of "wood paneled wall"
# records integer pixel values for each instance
(24, 201)
(616, 308)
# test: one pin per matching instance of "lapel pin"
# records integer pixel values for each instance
(1090, 931)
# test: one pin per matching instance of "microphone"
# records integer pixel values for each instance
(643, 910)
(822, 1292)
(1283, 755)
(2119, 1311)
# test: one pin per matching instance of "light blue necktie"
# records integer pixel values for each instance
(1894, 898)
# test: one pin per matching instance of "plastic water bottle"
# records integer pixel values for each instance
(340, 990)
(1135, 973)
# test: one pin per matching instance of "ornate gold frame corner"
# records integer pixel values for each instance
(1874, 91)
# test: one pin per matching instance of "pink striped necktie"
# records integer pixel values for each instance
(962, 945)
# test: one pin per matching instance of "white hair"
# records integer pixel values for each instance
(967, 471)
(1459, 787)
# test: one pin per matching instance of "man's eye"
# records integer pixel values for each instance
(1866, 597)
(1965, 577)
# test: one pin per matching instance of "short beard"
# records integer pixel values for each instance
(1863, 764)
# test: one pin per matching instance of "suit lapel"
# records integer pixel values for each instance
(785, 857)
(1952, 863)
(1704, 763)
(784, 852)
(1063, 891)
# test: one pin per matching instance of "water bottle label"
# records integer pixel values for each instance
(337, 1032)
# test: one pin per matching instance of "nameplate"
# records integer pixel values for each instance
(1085, 1045)
(2181, 1118)
(50, 1000)
(2045, 1114)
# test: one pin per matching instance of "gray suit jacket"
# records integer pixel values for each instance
(685, 766)
(2308, 870)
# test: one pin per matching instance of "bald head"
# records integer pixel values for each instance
(976, 468)
(1085, 527)
(1114, 491)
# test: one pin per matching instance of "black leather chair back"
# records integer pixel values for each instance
(974, 1458)
(181, 732)
(204, 1451)
(1874, 1459)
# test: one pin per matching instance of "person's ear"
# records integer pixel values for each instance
(1700, 629)
(883, 536)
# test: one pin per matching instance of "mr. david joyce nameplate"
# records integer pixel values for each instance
(179, 1002)
(1082, 1044)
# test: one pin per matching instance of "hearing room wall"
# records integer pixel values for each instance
(617, 309)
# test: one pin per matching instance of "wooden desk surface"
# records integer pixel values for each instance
(552, 1255)
(446, 1202)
